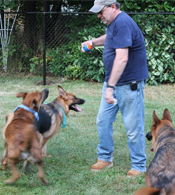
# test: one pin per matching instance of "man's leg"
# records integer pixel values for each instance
(106, 117)
(132, 109)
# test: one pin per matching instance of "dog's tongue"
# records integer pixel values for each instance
(78, 109)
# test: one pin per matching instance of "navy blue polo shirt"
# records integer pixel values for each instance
(121, 33)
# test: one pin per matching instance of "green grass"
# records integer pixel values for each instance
(73, 150)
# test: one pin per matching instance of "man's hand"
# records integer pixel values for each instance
(82, 45)
(109, 95)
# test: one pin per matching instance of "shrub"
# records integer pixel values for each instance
(69, 61)
(159, 33)
(158, 30)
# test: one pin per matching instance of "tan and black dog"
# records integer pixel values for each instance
(53, 115)
(160, 175)
(21, 140)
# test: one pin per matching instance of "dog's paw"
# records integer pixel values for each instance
(4, 164)
(46, 156)
(9, 181)
(45, 182)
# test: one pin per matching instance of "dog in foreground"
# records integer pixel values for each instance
(160, 175)
(51, 117)
(21, 137)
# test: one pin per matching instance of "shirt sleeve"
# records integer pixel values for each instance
(122, 37)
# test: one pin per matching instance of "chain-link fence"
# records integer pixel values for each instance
(35, 37)
(32, 37)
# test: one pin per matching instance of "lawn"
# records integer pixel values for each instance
(73, 150)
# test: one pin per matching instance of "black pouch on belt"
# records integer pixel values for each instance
(133, 86)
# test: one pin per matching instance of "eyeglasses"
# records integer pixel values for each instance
(102, 11)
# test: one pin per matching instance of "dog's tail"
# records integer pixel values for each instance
(8, 118)
(148, 191)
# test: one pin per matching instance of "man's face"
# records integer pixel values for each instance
(106, 15)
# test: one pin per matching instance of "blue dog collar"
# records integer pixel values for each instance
(28, 109)
(64, 118)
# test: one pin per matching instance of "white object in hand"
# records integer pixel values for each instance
(115, 101)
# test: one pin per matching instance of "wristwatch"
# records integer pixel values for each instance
(110, 86)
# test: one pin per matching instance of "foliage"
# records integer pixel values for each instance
(18, 57)
(36, 64)
(8, 51)
(160, 54)
(159, 33)
(7, 4)
(158, 30)
(69, 61)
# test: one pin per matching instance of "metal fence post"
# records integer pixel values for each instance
(44, 48)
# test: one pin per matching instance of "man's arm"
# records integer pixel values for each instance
(99, 41)
(119, 65)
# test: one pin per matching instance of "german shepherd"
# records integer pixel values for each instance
(21, 139)
(160, 175)
(53, 114)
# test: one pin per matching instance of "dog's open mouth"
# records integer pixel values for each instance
(75, 108)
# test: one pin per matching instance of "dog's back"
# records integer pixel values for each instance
(160, 174)
(44, 122)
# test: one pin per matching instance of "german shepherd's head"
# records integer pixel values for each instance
(33, 100)
(68, 101)
(158, 126)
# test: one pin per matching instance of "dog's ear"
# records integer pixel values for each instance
(166, 115)
(156, 120)
(21, 94)
(61, 92)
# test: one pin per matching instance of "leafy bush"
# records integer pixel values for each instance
(69, 61)
(159, 33)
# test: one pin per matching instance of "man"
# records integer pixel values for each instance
(125, 62)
